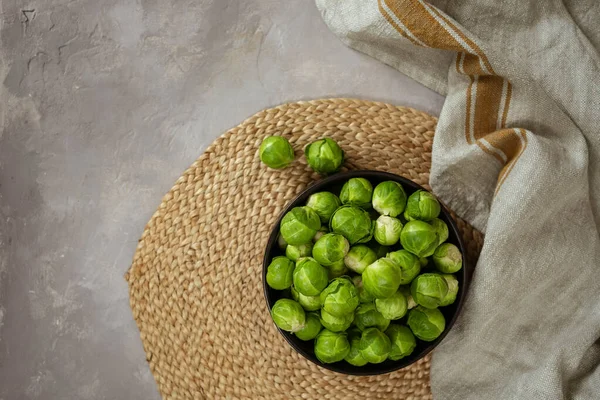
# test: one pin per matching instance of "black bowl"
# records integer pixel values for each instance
(334, 184)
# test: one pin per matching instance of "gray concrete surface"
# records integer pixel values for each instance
(103, 105)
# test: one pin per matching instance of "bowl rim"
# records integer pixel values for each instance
(315, 186)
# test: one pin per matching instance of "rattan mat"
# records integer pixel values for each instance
(195, 281)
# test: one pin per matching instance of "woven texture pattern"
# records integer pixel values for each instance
(195, 282)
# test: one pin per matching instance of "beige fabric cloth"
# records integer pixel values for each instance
(516, 153)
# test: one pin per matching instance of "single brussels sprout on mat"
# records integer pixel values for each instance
(426, 324)
(409, 265)
(382, 278)
(324, 204)
(324, 156)
(452, 290)
(403, 341)
(363, 295)
(310, 278)
(311, 329)
(309, 303)
(393, 307)
(405, 290)
(423, 206)
(387, 230)
(280, 273)
(441, 229)
(281, 243)
(288, 315)
(299, 225)
(447, 258)
(375, 346)
(331, 248)
(354, 357)
(428, 290)
(336, 324)
(336, 270)
(295, 252)
(367, 316)
(389, 198)
(357, 192)
(276, 152)
(331, 347)
(340, 297)
(353, 223)
(359, 257)
(419, 238)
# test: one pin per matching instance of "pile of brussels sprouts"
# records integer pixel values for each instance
(364, 271)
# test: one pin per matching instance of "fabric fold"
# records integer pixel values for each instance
(516, 154)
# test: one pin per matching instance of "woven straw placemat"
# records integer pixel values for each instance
(195, 281)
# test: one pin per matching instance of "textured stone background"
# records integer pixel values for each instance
(103, 105)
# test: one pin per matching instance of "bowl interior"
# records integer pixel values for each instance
(334, 184)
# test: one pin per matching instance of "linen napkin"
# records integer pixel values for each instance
(517, 154)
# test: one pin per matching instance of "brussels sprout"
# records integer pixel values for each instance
(336, 324)
(359, 257)
(331, 248)
(296, 252)
(393, 307)
(423, 206)
(353, 223)
(447, 258)
(324, 204)
(299, 225)
(276, 152)
(320, 233)
(419, 238)
(423, 261)
(324, 156)
(309, 303)
(280, 273)
(331, 347)
(311, 329)
(375, 346)
(409, 265)
(405, 290)
(428, 290)
(281, 242)
(403, 341)
(407, 217)
(426, 324)
(452, 290)
(336, 270)
(340, 297)
(380, 251)
(382, 278)
(367, 316)
(389, 198)
(288, 315)
(441, 229)
(310, 278)
(357, 192)
(354, 357)
(387, 230)
(363, 295)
